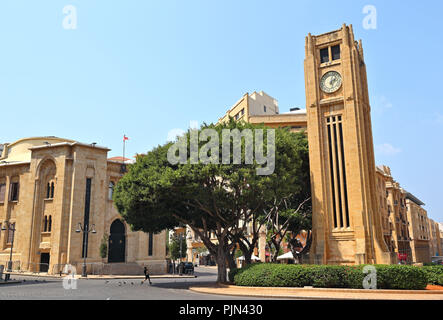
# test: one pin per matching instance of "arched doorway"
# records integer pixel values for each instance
(117, 242)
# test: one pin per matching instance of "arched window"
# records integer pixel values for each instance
(50, 224)
(48, 191)
(111, 190)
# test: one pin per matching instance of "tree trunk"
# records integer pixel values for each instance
(221, 259)
(294, 243)
(246, 251)
(277, 245)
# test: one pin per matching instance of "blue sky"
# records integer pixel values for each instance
(143, 68)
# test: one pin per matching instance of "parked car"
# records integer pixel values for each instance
(188, 268)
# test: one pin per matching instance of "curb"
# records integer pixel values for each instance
(320, 293)
(10, 282)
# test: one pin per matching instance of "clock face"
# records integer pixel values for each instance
(331, 81)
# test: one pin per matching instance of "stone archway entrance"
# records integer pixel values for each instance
(117, 242)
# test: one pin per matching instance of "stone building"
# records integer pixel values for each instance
(392, 201)
(52, 187)
(435, 240)
(418, 229)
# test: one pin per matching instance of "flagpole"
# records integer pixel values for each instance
(124, 143)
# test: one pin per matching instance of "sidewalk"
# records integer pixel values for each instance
(9, 282)
(142, 277)
(321, 293)
(102, 277)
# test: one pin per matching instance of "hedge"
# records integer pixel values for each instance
(327, 276)
(434, 274)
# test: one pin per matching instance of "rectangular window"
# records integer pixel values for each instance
(14, 191)
(151, 244)
(11, 231)
(2, 192)
(335, 51)
(86, 217)
(324, 55)
(264, 108)
(239, 114)
(339, 193)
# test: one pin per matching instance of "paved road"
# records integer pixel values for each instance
(35, 288)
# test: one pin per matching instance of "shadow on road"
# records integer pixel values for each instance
(182, 285)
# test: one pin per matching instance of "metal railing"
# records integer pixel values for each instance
(16, 265)
(35, 267)
(92, 268)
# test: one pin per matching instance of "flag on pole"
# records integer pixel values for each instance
(124, 143)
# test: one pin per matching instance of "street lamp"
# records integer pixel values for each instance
(181, 236)
(12, 243)
(85, 230)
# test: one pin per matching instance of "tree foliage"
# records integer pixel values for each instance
(174, 248)
(211, 198)
(104, 246)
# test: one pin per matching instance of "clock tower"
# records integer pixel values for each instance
(347, 225)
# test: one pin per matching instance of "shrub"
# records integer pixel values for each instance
(232, 274)
(433, 273)
(401, 277)
(327, 276)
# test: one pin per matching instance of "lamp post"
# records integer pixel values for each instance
(181, 237)
(180, 269)
(12, 243)
(84, 230)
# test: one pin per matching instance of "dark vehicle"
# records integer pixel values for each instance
(188, 268)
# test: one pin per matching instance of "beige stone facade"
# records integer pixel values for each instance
(347, 223)
(392, 201)
(419, 230)
(435, 240)
(48, 186)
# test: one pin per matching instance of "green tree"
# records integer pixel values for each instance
(104, 246)
(299, 221)
(210, 198)
(289, 207)
(286, 220)
(174, 248)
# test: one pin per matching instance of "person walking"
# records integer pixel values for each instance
(146, 272)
